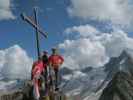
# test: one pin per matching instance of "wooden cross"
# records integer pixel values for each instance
(34, 24)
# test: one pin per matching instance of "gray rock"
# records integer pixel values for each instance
(20, 94)
(119, 88)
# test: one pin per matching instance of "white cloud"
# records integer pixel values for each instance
(83, 53)
(15, 63)
(2, 56)
(96, 50)
(114, 42)
(116, 11)
(5, 10)
(83, 30)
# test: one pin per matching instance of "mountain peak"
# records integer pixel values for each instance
(124, 54)
(121, 63)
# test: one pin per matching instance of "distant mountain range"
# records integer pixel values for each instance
(86, 82)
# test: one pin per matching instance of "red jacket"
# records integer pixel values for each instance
(56, 61)
(38, 68)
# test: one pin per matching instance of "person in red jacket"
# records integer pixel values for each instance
(37, 70)
(39, 67)
(55, 61)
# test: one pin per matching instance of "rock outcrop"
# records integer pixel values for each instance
(119, 88)
(20, 94)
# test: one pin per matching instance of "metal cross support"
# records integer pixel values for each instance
(34, 24)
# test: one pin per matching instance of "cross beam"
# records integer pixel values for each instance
(31, 22)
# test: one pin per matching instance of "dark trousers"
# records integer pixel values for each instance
(56, 77)
(46, 77)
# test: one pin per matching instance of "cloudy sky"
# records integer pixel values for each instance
(88, 32)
